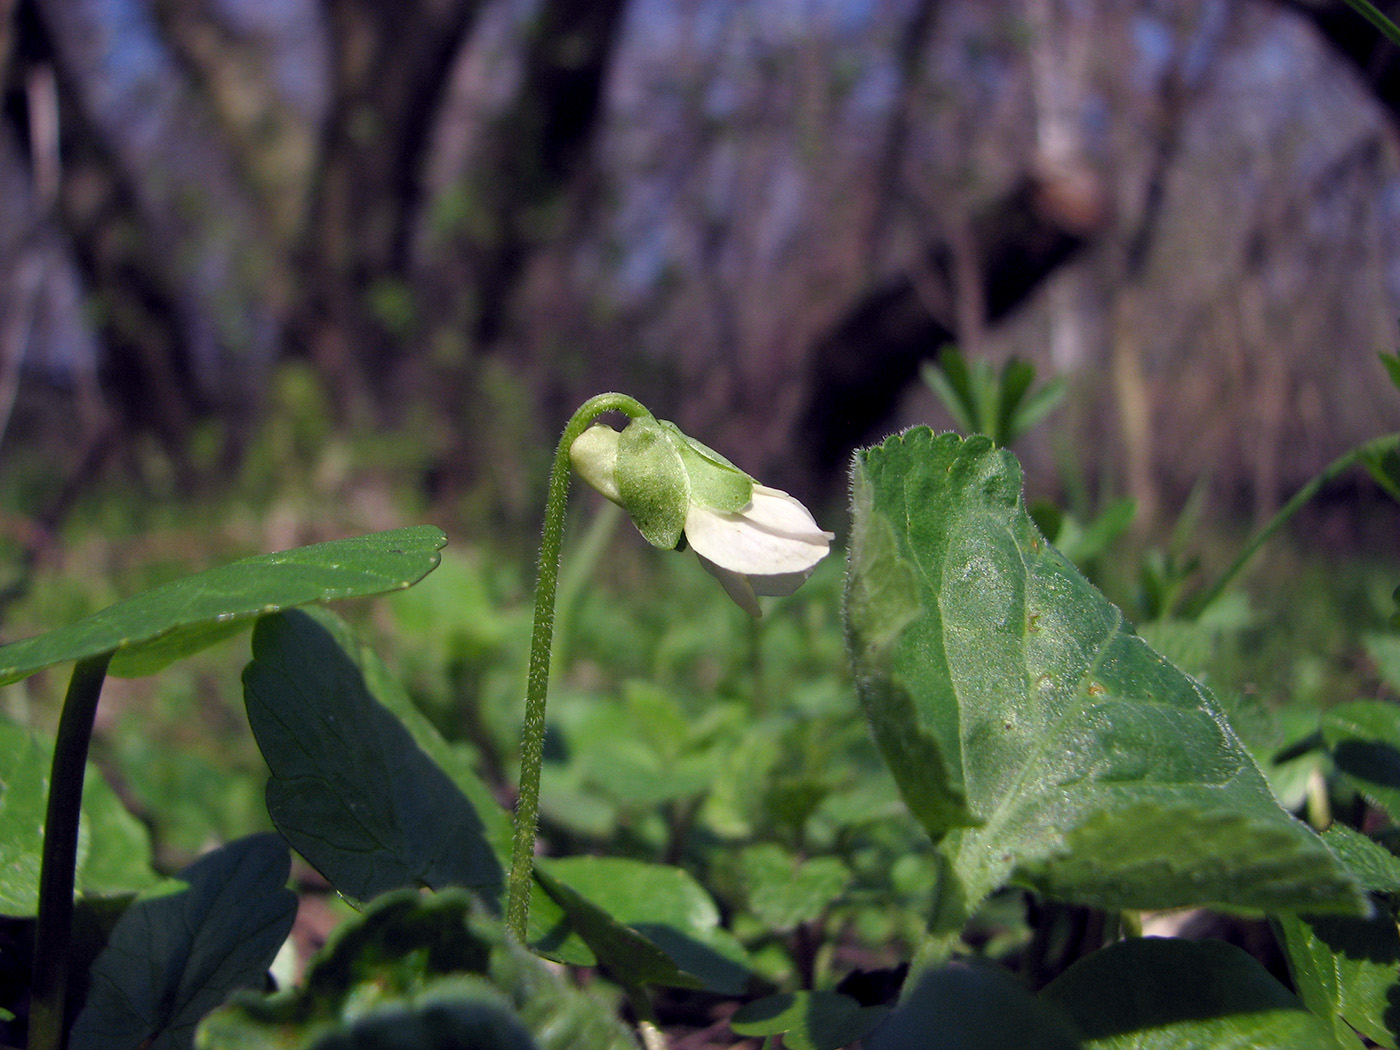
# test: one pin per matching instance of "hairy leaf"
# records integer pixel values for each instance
(1035, 736)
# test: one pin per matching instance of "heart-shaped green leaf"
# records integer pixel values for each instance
(157, 627)
(1157, 993)
(178, 951)
(1035, 736)
(388, 703)
(351, 790)
(114, 849)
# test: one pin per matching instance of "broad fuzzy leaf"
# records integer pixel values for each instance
(157, 627)
(179, 950)
(1034, 735)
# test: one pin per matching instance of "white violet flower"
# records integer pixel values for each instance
(752, 538)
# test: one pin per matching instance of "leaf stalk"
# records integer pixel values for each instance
(57, 872)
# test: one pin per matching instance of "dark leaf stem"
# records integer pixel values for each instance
(49, 987)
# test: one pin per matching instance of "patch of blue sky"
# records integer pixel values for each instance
(293, 36)
(132, 89)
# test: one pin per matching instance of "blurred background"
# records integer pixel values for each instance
(277, 271)
(238, 234)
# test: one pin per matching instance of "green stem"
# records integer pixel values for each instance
(1338, 466)
(1372, 14)
(527, 807)
(56, 874)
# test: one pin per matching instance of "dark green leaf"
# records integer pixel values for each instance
(1036, 737)
(972, 1007)
(1364, 739)
(179, 950)
(549, 932)
(808, 1020)
(158, 626)
(1384, 466)
(667, 907)
(350, 789)
(114, 849)
(1156, 993)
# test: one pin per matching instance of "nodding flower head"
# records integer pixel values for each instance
(753, 539)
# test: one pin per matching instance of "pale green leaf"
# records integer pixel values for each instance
(1034, 735)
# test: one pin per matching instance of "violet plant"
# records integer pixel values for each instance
(1040, 745)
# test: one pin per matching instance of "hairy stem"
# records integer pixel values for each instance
(527, 807)
(56, 874)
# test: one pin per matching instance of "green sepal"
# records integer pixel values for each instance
(714, 481)
(652, 482)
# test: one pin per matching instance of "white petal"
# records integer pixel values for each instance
(776, 511)
(773, 536)
(594, 458)
(736, 586)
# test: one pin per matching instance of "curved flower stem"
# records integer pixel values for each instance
(53, 929)
(1348, 459)
(527, 808)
